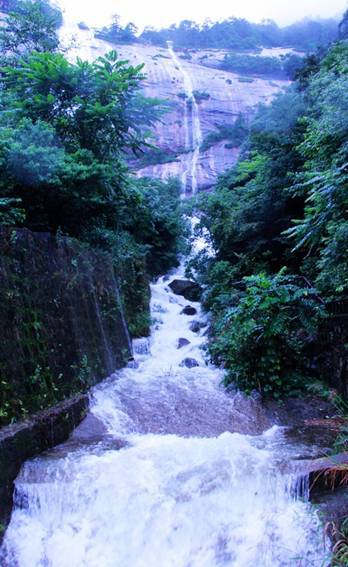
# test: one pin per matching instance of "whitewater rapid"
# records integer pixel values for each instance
(169, 470)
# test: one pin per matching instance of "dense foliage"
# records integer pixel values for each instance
(116, 33)
(240, 34)
(285, 66)
(264, 333)
(66, 130)
(234, 135)
(284, 204)
(29, 26)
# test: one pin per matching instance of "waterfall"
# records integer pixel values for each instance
(183, 474)
(169, 469)
(192, 125)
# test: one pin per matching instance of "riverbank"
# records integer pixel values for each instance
(171, 459)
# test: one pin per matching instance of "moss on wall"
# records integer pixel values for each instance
(62, 326)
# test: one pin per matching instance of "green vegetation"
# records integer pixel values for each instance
(201, 96)
(155, 155)
(284, 205)
(234, 134)
(240, 34)
(30, 27)
(283, 67)
(264, 333)
(115, 33)
(66, 131)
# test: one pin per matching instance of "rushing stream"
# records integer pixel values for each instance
(158, 476)
(169, 469)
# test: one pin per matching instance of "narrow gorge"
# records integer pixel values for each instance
(169, 463)
(167, 469)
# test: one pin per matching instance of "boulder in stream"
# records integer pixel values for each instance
(189, 310)
(188, 289)
(189, 363)
(196, 326)
(183, 342)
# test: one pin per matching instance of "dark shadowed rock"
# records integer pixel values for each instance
(189, 310)
(27, 439)
(182, 343)
(189, 363)
(190, 290)
(327, 474)
(196, 326)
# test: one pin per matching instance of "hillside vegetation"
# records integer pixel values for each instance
(279, 227)
(66, 130)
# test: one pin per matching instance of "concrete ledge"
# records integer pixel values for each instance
(29, 438)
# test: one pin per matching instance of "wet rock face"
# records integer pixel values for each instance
(189, 363)
(228, 97)
(225, 96)
(189, 310)
(63, 323)
(188, 289)
(182, 343)
(27, 439)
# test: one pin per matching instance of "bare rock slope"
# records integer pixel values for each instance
(202, 98)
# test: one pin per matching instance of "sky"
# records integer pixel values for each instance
(161, 13)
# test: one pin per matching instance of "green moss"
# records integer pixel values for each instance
(62, 326)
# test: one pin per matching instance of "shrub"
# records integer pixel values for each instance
(263, 337)
(201, 96)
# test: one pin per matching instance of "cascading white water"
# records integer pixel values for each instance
(192, 124)
(185, 489)
(169, 470)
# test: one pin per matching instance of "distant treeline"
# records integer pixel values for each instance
(285, 66)
(237, 33)
(233, 33)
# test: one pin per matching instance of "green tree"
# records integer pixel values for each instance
(323, 183)
(284, 204)
(263, 336)
(31, 26)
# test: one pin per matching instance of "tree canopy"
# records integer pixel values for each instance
(278, 223)
(66, 133)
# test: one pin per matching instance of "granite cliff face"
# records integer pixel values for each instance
(201, 97)
(221, 96)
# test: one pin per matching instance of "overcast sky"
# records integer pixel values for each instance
(159, 13)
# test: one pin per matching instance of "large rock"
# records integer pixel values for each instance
(189, 310)
(327, 474)
(196, 326)
(189, 363)
(228, 97)
(27, 439)
(188, 289)
(182, 343)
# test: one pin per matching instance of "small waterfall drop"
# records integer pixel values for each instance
(169, 470)
(192, 125)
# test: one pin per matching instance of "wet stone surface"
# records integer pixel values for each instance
(189, 310)
(183, 342)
